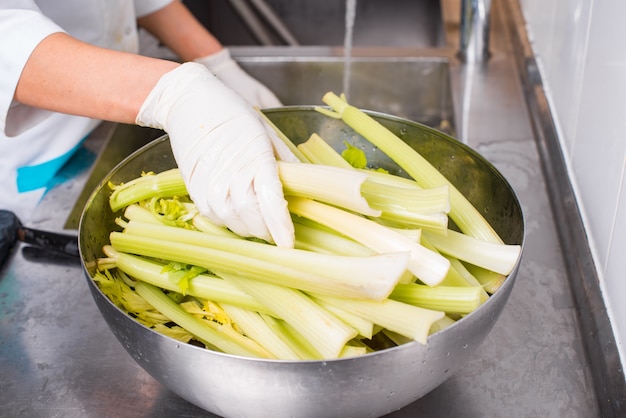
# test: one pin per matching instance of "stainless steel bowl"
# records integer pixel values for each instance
(368, 386)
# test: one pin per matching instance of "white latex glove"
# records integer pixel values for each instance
(226, 69)
(224, 151)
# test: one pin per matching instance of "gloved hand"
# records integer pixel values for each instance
(226, 69)
(224, 152)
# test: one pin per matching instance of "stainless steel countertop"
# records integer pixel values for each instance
(59, 359)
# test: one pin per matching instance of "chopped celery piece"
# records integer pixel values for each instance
(255, 327)
(205, 285)
(224, 338)
(336, 186)
(352, 351)
(489, 280)
(370, 277)
(408, 320)
(319, 240)
(205, 225)
(321, 329)
(399, 199)
(443, 323)
(289, 336)
(500, 258)
(165, 184)
(427, 265)
(462, 212)
(364, 327)
(387, 196)
(440, 298)
(140, 213)
(319, 151)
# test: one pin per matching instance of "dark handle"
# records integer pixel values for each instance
(52, 241)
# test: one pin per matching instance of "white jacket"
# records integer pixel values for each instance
(34, 144)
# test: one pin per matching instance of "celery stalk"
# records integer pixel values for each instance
(336, 186)
(319, 240)
(137, 212)
(257, 329)
(352, 351)
(321, 329)
(320, 152)
(489, 280)
(224, 338)
(408, 320)
(399, 199)
(429, 266)
(205, 225)
(370, 277)
(440, 298)
(500, 258)
(364, 327)
(462, 212)
(165, 184)
(205, 286)
(289, 336)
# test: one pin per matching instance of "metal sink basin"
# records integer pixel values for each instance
(415, 88)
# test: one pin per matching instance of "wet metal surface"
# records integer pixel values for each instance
(59, 359)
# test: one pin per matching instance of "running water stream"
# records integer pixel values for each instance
(347, 45)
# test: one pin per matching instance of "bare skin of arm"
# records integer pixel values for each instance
(69, 76)
(179, 30)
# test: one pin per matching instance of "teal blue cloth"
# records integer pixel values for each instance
(35, 177)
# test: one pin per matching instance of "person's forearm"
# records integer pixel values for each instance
(69, 76)
(179, 30)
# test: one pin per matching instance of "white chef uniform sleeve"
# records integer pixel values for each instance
(21, 30)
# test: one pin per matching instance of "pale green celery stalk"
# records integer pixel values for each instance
(458, 275)
(222, 337)
(204, 285)
(500, 258)
(384, 194)
(311, 236)
(205, 225)
(429, 266)
(405, 319)
(467, 276)
(257, 329)
(364, 327)
(414, 234)
(139, 213)
(462, 211)
(489, 280)
(318, 151)
(334, 185)
(165, 184)
(386, 191)
(400, 339)
(400, 216)
(315, 239)
(443, 323)
(292, 147)
(320, 328)
(289, 336)
(352, 351)
(440, 298)
(371, 277)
